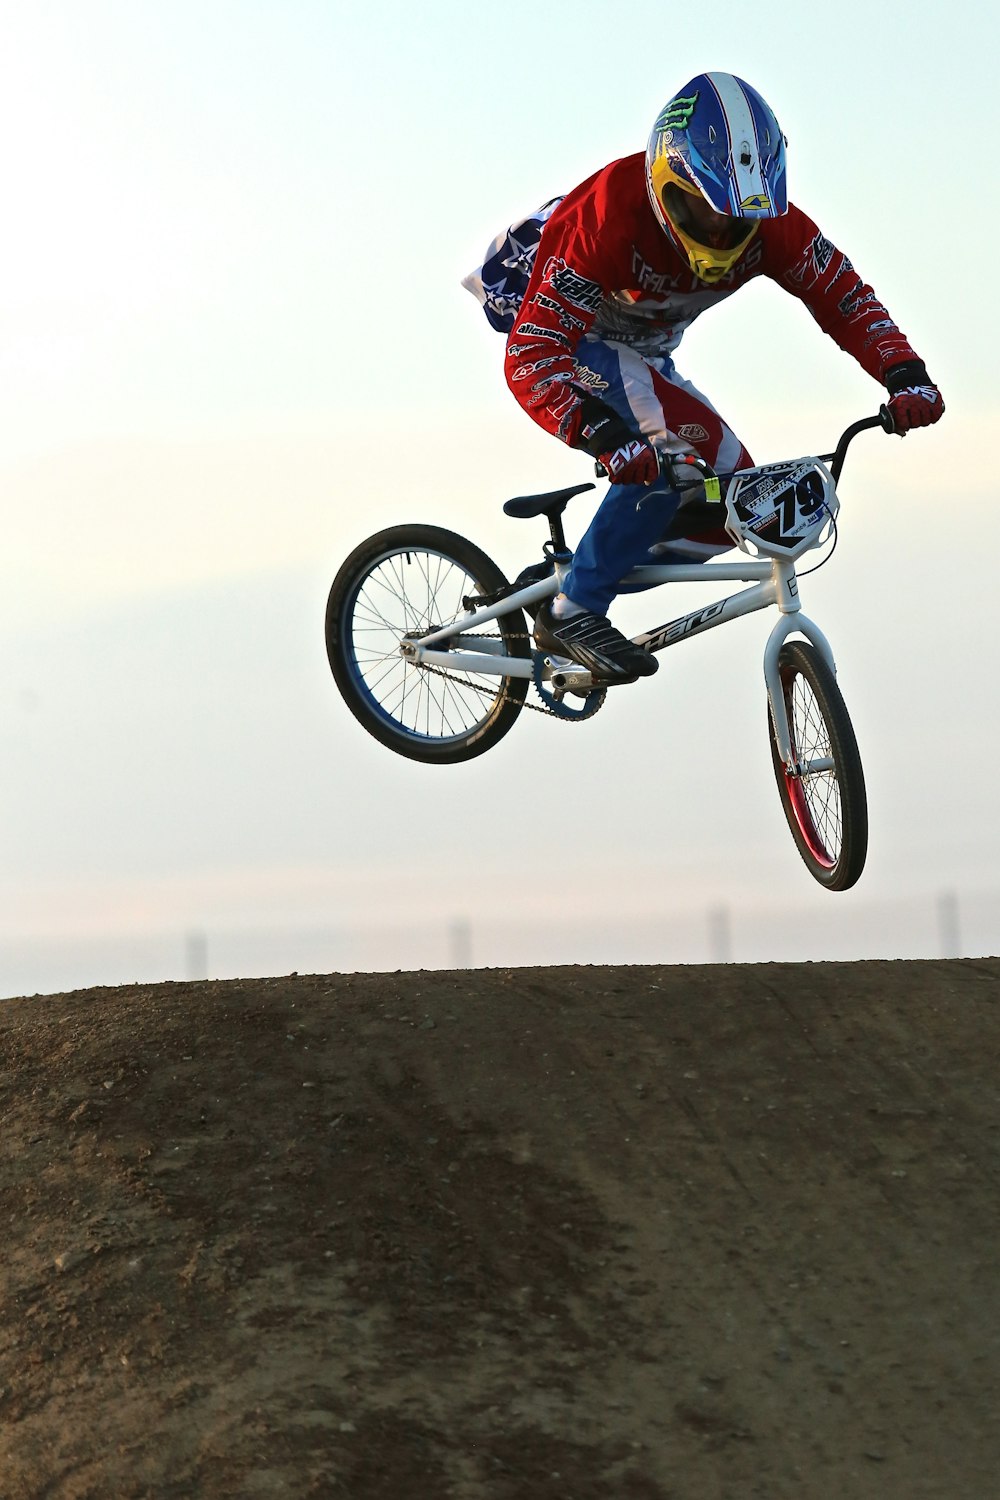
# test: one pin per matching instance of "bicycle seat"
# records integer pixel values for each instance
(551, 504)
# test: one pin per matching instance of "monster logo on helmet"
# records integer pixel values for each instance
(715, 166)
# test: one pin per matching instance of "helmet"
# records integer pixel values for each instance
(715, 166)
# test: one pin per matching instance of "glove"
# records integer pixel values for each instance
(914, 400)
(633, 463)
(624, 456)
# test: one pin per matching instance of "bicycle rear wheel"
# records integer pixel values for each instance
(824, 801)
(408, 581)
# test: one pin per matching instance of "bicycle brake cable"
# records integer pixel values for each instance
(824, 560)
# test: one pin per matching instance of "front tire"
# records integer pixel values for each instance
(407, 581)
(826, 806)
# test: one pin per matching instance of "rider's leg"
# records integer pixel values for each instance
(675, 417)
(630, 519)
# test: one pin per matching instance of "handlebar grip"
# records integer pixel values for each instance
(886, 418)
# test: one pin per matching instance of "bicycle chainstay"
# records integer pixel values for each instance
(538, 708)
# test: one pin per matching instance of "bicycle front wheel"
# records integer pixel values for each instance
(406, 582)
(824, 798)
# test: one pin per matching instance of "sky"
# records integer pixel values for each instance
(233, 343)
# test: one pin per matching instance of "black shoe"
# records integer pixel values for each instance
(593, 642)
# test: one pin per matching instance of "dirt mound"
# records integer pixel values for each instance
(565, 1234)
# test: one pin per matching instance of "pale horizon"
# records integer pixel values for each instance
(235, 343)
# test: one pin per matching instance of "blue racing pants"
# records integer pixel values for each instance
(672, 415)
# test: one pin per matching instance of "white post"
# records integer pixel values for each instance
(461, 944)
(720, 935)
(196, 952)
(951, 944)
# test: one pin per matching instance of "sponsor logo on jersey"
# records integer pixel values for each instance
(692, 432)
(578, 290)
(857, 299)
(535, 331)
(848, 303)
(844, 269)
(550, 380)
(821, 250)
(523, 371)
(814, 263)
(658, 282)
(590, 378)
(567, 319)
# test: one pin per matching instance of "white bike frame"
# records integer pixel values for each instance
(772, 579)
(774, 582)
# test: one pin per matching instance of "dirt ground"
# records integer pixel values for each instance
(567, 1234)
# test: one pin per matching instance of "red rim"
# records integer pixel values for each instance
(797, 797)
(796, 792)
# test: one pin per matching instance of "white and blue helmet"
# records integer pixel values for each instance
(715, 166)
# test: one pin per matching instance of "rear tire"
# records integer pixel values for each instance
(827, 809)
(410, 580)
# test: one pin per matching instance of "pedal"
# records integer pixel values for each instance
(567, 677)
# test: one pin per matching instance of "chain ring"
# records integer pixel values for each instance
(593, 701)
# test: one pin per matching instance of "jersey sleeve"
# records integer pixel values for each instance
(566, 288)
(807, 264)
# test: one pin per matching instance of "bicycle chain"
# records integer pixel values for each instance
(537, 708)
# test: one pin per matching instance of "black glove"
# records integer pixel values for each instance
(624, 455)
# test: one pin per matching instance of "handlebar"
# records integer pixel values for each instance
(884, 419)
(836, 460)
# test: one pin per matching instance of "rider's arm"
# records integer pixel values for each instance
(809, 266)
(845, 306)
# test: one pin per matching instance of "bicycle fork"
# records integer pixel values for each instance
(774, 583)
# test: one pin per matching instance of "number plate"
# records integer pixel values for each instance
(782, 509)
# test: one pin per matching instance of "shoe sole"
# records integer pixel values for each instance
(600, 676)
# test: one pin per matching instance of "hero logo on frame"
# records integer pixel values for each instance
(686, 625)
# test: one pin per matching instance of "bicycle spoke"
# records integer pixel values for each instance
(820, 790)
(411, 593)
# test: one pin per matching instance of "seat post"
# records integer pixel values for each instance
(556, 531)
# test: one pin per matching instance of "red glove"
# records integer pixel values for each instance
(914, 399)
(633, 463)
(916, 406)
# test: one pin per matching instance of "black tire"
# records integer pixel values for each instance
(827, 811)
(410, 580)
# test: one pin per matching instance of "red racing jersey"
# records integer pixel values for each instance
(605, 268)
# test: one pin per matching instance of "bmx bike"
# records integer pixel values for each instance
(430, 649)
